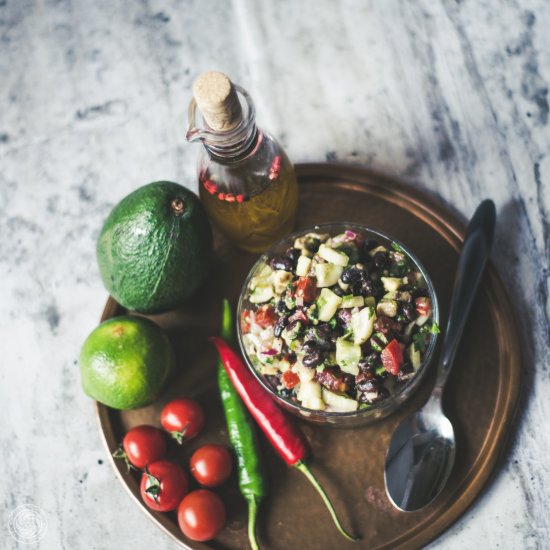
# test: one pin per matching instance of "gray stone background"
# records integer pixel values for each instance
(450, 96)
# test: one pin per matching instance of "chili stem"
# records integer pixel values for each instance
(309, 474)
(252, 511)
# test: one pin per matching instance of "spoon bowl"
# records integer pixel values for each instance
(420, 459)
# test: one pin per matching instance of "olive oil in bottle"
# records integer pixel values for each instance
(246, 182)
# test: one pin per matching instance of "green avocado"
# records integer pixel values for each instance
(155, 248)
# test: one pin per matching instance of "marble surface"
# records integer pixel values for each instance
(450, 96)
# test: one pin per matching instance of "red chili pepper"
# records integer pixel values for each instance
(279, 429)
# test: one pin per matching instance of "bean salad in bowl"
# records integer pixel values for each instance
(338, 322)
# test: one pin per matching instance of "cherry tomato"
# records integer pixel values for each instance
(163, 485)
(265, 316)
(201, 515)
(392, 357)
(211, 465)
(142, 445)
(183, 418)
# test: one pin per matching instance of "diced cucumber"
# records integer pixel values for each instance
(352, 301)
(309, 393)
(333, 256)
(362, 324)
(377, 249)
(327, 304)
(339, 402)
(303, 265)
(304, 372)
(348, 355)
(370, 301)
(281, 279)
(414, 356)
(261, 294)
(387, 308)
(391, 283)
(327, 274)
(264, 272)
(343, 286)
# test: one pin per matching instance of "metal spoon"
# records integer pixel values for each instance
(422, 450)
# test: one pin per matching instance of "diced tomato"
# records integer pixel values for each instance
(423, 306)
(290, 379)
(392, 357)
(245, 321)
(306, 289)
(265, 316)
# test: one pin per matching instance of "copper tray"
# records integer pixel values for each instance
(481, 398)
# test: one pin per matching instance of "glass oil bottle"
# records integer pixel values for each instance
(246, 182)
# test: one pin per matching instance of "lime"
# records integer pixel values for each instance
(155, 248)
(125, 362)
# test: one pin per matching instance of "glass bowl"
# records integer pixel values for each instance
(374, 411)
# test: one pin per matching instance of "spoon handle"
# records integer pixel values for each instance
(471, 263)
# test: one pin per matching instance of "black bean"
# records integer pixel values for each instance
(337, 290)
(279, 326)
(312, 244)
(313, 359)
(291, 357)
(285, 393)
(310, 346)
(366, 367)
(371, 385)
(280, 263)
(378, 290)
(380, 259)
(367, 288)
(293, 254)
(409, 311)
(350, 275)
(323, 330)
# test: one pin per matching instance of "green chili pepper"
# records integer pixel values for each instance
(242, 435)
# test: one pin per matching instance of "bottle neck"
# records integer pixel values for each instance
(234, 145)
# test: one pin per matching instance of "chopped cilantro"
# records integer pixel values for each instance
(396, 247)
(434, 329)
(332, 323)
(419, 340)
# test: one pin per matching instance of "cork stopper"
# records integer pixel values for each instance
(217, 100)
